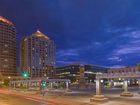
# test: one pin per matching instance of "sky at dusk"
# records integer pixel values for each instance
(100, 32)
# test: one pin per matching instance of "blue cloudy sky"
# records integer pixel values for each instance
(101, 32)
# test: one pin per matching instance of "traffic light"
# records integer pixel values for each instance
(43, 84)
(25, 74)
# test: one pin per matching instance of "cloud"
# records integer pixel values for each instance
(115, 49)
(78, 54)
(113, 30)
(77, 51)
(130, 45)
(135, 42)
(132, 34)
(65, 62)
(62, 62)
(125, 47)
(130, 50)
(68, 56)
(117, 30)
(69, 52)
(96, 43)
(117, 66)
(115, 58)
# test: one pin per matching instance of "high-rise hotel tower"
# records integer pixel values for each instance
(37, 55)
(7, 48)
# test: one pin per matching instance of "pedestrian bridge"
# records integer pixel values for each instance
(118, 75)
(124, 76)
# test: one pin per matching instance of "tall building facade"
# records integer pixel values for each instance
(7, 48)
(37, 55)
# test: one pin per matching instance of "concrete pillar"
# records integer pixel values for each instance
(98, 87)
(67, 85)
(125, 84)
(14, 85)
(111, 83)
(56, 84)
(51, 85)
(21, 84)
(98, 97)
(126, 93)
(139, 85)
(40, 86)
(27, 84)
(10, 84)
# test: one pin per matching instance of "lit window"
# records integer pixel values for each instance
(5, 59)
(5, 51)
(5, 66)
(6, 45)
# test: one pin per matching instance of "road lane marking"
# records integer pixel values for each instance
(35, 100)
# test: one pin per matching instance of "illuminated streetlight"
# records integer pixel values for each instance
(9, 77)
(102, 81)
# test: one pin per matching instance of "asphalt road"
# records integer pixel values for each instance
(14, 98)
(6, 99)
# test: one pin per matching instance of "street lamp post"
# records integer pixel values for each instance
(9, 81)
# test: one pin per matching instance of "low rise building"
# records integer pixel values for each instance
(74, 72)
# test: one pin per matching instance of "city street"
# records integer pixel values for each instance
(24, 98)
(6, 99)
(69, 52)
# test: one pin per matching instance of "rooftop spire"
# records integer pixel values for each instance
(38, 31)
(40, 34)
(5, 20)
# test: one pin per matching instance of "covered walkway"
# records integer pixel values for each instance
(38, 84)
(124, 76)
